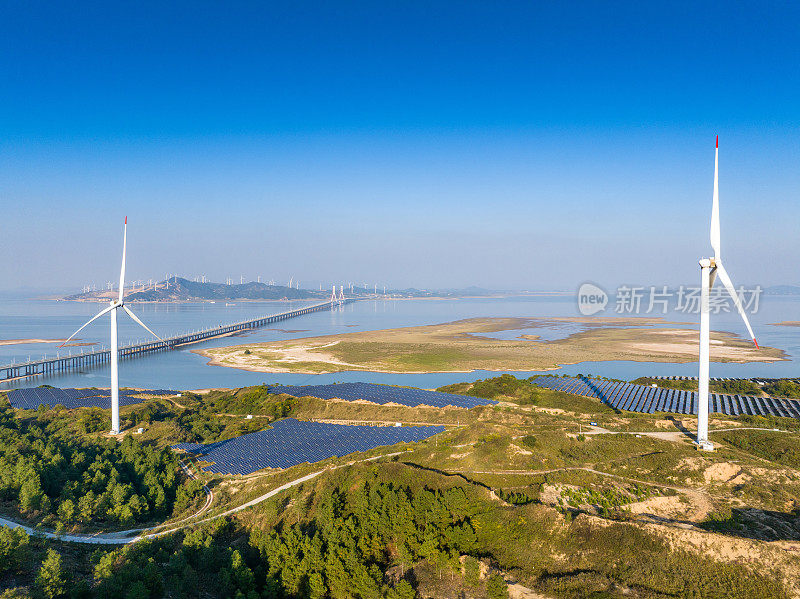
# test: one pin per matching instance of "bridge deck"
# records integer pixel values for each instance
(84, 360)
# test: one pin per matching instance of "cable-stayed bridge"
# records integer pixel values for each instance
(90, 359)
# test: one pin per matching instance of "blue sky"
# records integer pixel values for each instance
(511, 145)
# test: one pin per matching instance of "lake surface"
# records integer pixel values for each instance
(182, 369)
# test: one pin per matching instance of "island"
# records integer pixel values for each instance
(467, 345)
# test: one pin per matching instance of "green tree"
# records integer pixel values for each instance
(15, 593)
(472, 570)
(404, 590)
(316, 586)
(138, 591)
(496, 587)
(30, 494)
(67, 511)
(51, 581)
(13, 549)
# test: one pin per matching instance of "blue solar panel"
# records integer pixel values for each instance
(611, 394)
(634, 398)
(669, 405)
(31, 399)
(781, 406)
(776, 407)
(727, 405)
(644, 398)
(792, 406)
(658, 403)
(631, 390)
(382, 394)
(682, 403)
(290, 442)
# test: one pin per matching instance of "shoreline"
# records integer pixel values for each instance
(214, 362)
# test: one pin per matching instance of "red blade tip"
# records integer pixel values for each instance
(718, 141)
(756, 342)
(126, 220)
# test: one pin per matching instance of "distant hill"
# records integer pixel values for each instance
(465, 292)
(177, 289)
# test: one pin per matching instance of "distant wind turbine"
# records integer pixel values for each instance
(710, 269)
(116, 304)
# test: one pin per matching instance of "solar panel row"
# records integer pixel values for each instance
(648, 399)
(382, 394)
(31, 399)
(290, 442)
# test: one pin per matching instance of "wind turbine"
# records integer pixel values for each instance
(116, 304)
(710, 269)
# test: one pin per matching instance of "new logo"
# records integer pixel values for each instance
(591, 299)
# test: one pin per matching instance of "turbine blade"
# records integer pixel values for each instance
(136, 318)
(726, 281)
(101, 313)
(715, 233)
(712, 277)
(122, 270)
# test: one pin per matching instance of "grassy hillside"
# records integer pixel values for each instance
(526, 495)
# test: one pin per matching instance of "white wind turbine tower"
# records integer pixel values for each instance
(115, 305)
(710, 269)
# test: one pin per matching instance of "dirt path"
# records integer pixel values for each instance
(674, 436)
(700, 498)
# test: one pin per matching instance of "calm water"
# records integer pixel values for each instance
(182, 369)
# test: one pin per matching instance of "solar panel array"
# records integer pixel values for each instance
(290, 442)
(648, 399)
(31, 399)
(382, 394)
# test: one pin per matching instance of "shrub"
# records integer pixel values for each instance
(496, 587)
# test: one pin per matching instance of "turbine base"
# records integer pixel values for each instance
(705, 446)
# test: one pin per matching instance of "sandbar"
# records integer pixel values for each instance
(459, 347)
